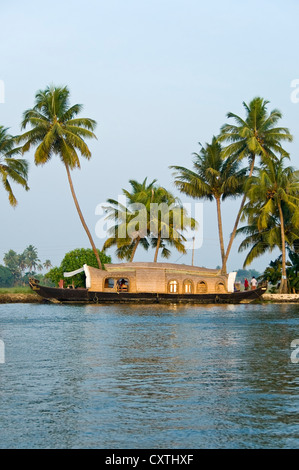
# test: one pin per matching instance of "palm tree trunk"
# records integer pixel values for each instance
(137, 240)
(283, 284)
(82, 218)
(157, 248)
(220, 231)
(233, 234)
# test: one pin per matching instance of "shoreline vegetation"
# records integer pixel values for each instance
(245, 160)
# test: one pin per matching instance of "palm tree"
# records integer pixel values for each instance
(139, 221)
(128, 232)
(274, 192)
(47, 264)
(56, 130)
(126, 243)
(11, 169)
(254, 136)
(272, 273)
(168, 219)
(261, 241)
(212, 178)
(31, 258)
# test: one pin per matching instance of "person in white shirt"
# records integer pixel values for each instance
(253, 283)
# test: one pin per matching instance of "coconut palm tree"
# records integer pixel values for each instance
(212, 178)
(139, 221)
(56, 130)
(130, 220)
(260, 241)
(31, 258)
(168, 219)
(125, 241)
(12, 169)
(47, 264)
(274, 192)
(254, 136)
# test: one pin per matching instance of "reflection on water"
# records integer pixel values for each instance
(149, 376)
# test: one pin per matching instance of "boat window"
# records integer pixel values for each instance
(123, 285)
(202, 287)
(173, 287)
(220, 288)
(188, 287)
(109, 283)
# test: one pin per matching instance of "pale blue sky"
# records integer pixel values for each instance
(158, 76)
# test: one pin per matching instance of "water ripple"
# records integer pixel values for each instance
(149, 377)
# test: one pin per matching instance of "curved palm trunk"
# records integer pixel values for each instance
(284, 283)
(82, 218)
(220, 232)
(137, 240)
(233, 234)
(157, 248)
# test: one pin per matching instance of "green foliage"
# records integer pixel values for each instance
(213, 178)
(256, 134)
(13, 262)
(12, 170)
(6, 277)
(55, 130)
(272, 273)
(31, 259)
(272, 195)
(54, 275)
(22, 266)
(74, 260)
(137, 223)
(293, 270)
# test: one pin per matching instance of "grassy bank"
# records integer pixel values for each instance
(15, 290)
(9, 295)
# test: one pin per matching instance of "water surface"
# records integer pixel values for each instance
(117, 377)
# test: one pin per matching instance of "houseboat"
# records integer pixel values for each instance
(150, 283)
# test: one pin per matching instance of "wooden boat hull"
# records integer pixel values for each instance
(85, 296)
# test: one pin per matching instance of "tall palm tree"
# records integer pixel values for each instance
(274, 191)
(31, 258)
(212, 178)
(261, 241)
(56, 130)
(11, 169)
(254, 136)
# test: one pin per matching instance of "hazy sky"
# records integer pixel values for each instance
(158, 76)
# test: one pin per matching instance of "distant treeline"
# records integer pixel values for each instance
(18, 267)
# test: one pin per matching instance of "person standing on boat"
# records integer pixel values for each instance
(253, 283)
(246, 284)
